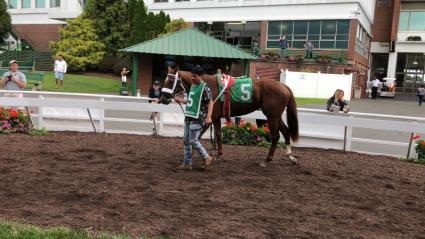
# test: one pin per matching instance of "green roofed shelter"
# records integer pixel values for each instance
(188, 42)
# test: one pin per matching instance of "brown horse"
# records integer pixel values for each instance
(272, 97)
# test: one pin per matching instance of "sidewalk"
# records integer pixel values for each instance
(402, 105)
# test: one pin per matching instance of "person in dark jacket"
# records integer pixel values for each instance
(337, 102)
(154, 94)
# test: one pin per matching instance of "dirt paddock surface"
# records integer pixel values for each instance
(126, 184)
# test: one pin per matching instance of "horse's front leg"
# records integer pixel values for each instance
(274, 136)
(218, 136)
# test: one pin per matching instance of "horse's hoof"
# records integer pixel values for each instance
(293, 160)
(263, 164)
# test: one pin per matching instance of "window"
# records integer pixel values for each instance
(182, 0)
(417, 21)
(40, 3)
(327, 34)
(55, 3)
(362, 41)
(13, 4)
(412, 21)
(26, 3)
(161, 1)
(384, 3)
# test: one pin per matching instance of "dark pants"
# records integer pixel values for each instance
(421, 98)
(374, 92)
(260, 123)
(308, 54)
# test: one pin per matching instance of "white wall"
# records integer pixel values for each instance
(252, 10)
(317, 85)
(47, 15)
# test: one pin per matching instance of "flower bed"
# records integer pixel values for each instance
(420, 148)
(12, 121)
(246, 133)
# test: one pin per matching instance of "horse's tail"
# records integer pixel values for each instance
(292, 117)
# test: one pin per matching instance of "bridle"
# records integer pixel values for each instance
(177, 84)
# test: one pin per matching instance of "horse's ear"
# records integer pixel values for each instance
(177, 68)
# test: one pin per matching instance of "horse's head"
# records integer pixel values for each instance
(173, 85)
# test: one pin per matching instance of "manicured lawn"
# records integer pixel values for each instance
(19, 231)
(310, 101)
(82, 84)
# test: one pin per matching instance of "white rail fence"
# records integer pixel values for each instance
(317, 124)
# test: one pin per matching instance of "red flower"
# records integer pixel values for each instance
(423, 143)
(266, 129)
(416, 137)
(14, 114)
(229, 123)
(253, 128)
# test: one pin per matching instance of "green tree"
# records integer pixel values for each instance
(111, 21)
(162, 21)
(176, 25)
(79, 44)
(138, 26)
(5, 22)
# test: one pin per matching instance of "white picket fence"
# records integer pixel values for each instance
(318, 124)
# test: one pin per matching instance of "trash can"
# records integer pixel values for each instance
(357, 92)
(123, 90)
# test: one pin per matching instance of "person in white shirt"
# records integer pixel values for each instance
(124, 73)
(375, 84)
(421, 93)
(60, 70)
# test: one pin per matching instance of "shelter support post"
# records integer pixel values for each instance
(134, 75)
(246, 68)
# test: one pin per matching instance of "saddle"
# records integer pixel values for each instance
(228, 82)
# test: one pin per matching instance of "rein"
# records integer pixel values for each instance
(171, 91)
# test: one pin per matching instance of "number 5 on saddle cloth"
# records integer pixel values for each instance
(233, 90)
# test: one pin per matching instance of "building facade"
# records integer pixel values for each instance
(38, 21)
(333, 26)
(398, 46)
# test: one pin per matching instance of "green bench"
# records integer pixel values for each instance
(33, 78)
(22, 65)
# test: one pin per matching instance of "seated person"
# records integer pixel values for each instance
(337, 102)
(154, 94)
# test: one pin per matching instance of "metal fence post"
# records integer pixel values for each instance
(410, 145)
(40, 113)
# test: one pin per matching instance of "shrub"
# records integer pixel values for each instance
(420, 148)
(12, 121)
(270, 55)
(246, 134)
(111, 64)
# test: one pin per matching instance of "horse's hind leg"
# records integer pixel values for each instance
(219, 138)
(285, 131)
(274, 136)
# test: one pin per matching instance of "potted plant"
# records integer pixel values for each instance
(414, 38)
(299, 60)
(292, 59)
